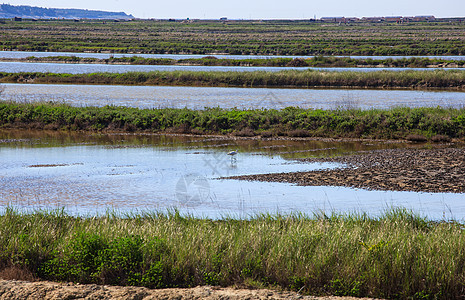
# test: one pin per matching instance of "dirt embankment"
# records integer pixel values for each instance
(12, 289)
(419, 170)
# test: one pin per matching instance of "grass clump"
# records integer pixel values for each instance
(397, 255)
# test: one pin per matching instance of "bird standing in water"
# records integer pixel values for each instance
(233, 155)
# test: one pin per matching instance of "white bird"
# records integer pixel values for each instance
(232, 153)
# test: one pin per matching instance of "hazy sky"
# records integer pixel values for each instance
(261, 9)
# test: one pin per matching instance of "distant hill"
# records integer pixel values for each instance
(32, 12)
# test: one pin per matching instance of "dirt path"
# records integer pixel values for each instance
(419, 170)
(12, 289)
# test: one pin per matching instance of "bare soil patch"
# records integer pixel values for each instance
(13, 289)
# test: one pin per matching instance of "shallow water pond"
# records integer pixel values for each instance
(89, 175)
(16, 67)
(201, 97)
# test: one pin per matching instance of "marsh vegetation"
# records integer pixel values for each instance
(397, 255)
(273, 37)
(396, 123)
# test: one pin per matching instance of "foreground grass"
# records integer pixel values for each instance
(398, 255)
(445, 79)
(436, 123)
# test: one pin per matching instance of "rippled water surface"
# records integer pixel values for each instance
(91, 174)
(200, 97)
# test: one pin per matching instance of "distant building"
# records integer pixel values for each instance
(334, 19)
(17, 19)
(393, 19)
(424, 18)
(373, 19)
(354, 19)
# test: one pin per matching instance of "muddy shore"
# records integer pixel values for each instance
(419, 170)
(13, 289)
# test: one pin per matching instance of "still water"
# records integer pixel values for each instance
(88, 175)
(16, 67)
(201, 97)
(24, 54)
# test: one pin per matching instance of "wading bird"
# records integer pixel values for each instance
(233, 155)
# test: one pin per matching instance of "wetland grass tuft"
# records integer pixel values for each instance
(398, 255)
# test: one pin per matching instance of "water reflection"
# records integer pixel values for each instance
(90, 174)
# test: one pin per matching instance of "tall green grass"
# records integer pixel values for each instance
(398, 255)
(452, 79)
(396, 123)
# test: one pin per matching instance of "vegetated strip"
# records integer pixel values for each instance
(444, 79)
(239, 37)
(398, 255)
(396, 123)
(427, 170)
(317, 61)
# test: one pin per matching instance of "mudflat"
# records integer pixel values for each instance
(420, 170)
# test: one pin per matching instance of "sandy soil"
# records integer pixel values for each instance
(420, 170)
(13, 289)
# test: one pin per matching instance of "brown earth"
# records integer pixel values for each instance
(13, 289)
(419, 170)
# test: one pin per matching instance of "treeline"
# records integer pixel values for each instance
(395, 256)
(437, 124)
(445, 79)
(317, 61)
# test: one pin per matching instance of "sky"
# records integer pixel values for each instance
(261, 9)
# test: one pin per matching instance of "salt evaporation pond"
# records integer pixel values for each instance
(91, 174)
(71, 68)
(201, 97)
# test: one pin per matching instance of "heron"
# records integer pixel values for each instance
(233, 155)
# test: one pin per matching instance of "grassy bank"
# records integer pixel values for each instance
(318, 61)
(396, 123)
(450, 79)
(397, 255)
